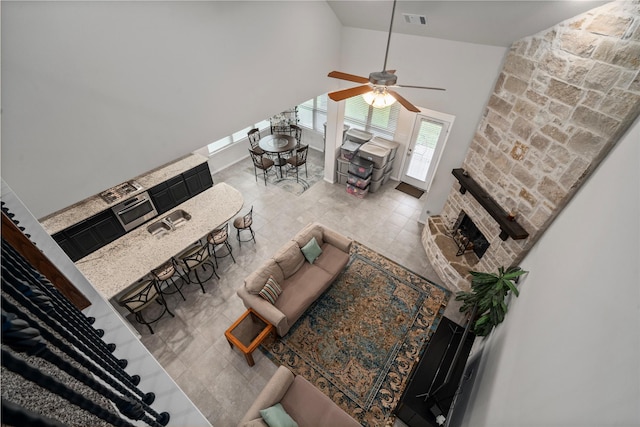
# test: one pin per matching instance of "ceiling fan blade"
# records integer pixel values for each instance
(421, 87)
(349, 77)
(406, 104)
(348, 93)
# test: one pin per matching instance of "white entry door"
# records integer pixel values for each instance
(427, 142)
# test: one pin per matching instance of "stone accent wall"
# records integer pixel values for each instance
(563, 99)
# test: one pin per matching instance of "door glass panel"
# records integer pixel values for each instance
(423, 150)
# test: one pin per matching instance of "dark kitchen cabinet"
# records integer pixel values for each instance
(161, 197)
(198, 179)
(206, 180)
(107, 227)
(178, 189)
(67, 246)
(89, 235)
(171, 193)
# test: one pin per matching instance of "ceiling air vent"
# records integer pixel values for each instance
(411, 18)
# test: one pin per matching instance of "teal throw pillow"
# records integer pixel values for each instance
(311, 250)
(276, 416)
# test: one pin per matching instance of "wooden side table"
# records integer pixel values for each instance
(248, 332)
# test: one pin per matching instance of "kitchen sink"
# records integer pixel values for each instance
(177, 218)
(159, 228)
(168, 223)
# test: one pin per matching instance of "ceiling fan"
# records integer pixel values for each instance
(376, 89)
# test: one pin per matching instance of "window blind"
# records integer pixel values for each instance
(379, 121)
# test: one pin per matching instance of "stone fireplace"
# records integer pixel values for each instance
(563, 99)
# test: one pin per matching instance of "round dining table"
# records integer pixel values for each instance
(278, 144)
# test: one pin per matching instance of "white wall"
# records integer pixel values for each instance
(568, 352)
(95, 93)
(467, 71)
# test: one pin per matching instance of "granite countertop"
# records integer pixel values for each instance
(86, 208)
(114, 267)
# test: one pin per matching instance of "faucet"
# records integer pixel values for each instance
(169, 223)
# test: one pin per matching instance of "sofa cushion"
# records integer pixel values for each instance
(301, 290)
(310, 407)
(289, 258)
(332, 260)
(276, 416)
(271, 290)
(304, 236)
(256, 280)
(311, 250)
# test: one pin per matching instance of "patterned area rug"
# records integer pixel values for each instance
(360, 340)
(289, 183)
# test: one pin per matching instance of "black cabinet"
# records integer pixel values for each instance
(206, 180)
(169, 194)
(192, 180)
(67, 246)
(107, 227)
(161, 197)
(81, 239)
(198, 179)
(181, 188)
(427, 394)
(178, 189)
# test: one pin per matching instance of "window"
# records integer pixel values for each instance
(236, 136)
(378, 121)
(313, 113)
(359, 114)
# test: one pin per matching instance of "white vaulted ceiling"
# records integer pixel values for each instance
(496, 23)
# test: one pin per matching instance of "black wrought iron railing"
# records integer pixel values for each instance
(48, 342)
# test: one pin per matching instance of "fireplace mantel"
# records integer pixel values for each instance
(509, 226)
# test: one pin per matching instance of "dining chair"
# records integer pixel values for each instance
(261, 162)
(220, 236)
(196, 256)
(140, 297)
(165, 274)
(254, 139)
(296, 132)
(243, 223)
(298, 159)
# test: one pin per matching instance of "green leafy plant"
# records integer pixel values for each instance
(487, 296)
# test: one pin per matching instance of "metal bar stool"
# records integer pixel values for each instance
(164, 274)
(140, 297)
(197, 255)
(220, 236)
(243, 223)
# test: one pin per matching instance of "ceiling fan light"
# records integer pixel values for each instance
(378, 98)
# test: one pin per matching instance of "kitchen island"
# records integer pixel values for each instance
(114, 267)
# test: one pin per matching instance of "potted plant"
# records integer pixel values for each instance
(487, 297)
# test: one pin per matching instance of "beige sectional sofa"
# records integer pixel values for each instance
(301, 282)
(303, 402)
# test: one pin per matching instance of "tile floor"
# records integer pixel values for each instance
(192, 347)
